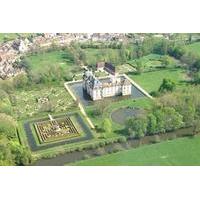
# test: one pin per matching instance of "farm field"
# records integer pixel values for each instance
(151, 81)
(182, 151)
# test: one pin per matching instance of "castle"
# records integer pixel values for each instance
(106, 87)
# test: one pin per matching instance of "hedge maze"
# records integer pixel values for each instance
(44, 133)
(56, 129)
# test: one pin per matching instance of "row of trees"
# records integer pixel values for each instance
(158, 121)
(11, 152)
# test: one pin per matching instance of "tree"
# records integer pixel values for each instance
(159, 114)
(136, 127)
(6, 157)
(188, 111)
(22, 156)
(7, 126)
(151, 124)
(196, 65)
(167, 85)
(196, 77)
(172, 119)
(178, 52)
(167, 61)
(107, 126)
(24, 64)
(20, 81)
(139, 66)
(196, 127)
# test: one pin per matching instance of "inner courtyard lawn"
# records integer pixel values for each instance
(182, 151)
(151, 81)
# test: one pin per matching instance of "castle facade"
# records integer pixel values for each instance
(108, 87)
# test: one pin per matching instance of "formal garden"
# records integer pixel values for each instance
(28, 103)
(30, 98)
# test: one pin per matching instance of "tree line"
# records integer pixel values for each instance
(11, 151)
(170, 112)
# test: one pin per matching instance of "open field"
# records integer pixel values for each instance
(182, 151)
(95, 55)
(153, 62)
(194, 47)
(60, 58)
(151, 81)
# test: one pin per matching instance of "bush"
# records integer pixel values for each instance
(99, 152)
(117, 148)
(122, 139)
(102, 144)
(156, 139)
(86, 156)
(80, 149)
(155, 94)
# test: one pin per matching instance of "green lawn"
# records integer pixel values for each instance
(153, 61)
(112, 106)
(195, 48)
(96, 55)
(183, 151)
(60, 58)
(151, 81)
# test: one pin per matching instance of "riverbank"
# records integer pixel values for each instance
(70, 158)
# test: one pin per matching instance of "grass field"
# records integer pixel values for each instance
(97, 120)
(183, 151)
(195, 48)
(95, 55)
(151, 81)
(60, 58)
(153, 61)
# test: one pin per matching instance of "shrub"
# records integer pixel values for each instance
(102, 144)
(86, 156)
(117, 148)
(156, 139)
(122, 139)
(99, 152)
